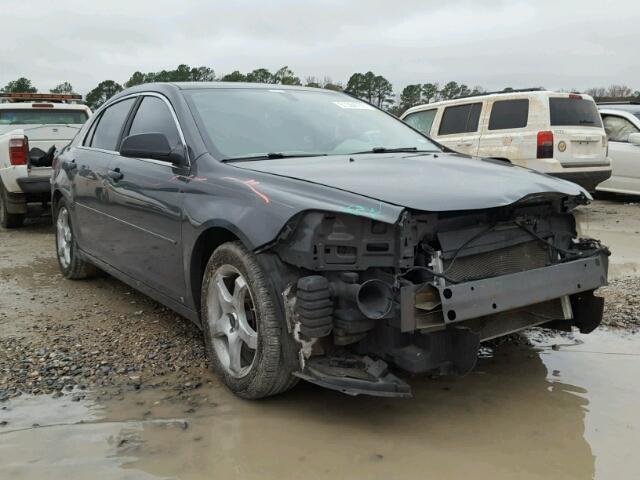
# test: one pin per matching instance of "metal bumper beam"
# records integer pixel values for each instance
(463, 301)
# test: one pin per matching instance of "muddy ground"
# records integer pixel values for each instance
(98, 381)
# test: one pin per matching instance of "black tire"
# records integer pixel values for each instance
(75, 267)
(8, 220)
(269, 373)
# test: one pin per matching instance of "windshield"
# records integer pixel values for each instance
(578, 112)
(240, 123)
(42, 117)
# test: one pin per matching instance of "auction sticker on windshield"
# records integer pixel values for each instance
(354, 105)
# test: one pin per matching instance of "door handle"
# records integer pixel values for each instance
(464, 144)
(115, 174)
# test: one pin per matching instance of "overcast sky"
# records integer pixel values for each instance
(492, 43)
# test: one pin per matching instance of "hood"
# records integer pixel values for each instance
(441, 182)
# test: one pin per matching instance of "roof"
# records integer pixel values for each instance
(261, 86)
(163, 87)
(524, 93)
(625, 107)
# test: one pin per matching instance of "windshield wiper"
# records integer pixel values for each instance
(272, 156)
(392, 150)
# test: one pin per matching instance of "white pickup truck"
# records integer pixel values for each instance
(32, 127)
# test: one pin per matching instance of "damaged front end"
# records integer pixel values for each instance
(423, 293)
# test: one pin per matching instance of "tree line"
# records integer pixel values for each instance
(368, 86)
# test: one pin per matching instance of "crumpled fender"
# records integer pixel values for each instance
(256, 206)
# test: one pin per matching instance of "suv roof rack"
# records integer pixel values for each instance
(512, 90)
(40, 97)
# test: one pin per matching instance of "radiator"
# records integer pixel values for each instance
(516, 258)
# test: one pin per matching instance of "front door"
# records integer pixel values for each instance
(625, 157)
(145, 198)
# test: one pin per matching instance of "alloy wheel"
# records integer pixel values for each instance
(64, 237)
(232, 321)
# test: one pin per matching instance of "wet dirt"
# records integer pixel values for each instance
(563, 412)
(559, 407)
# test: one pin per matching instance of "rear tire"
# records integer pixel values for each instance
(8, 220)
(72, 265)
(244, 333)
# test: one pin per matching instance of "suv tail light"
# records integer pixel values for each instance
(545, 144)
(18, 151)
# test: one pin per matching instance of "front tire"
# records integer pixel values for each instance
(244, 334)
(72, 265)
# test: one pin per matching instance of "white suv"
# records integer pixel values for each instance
(32, 126)
(560, 134)
(622, 124)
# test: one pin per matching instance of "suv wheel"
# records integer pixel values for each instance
(8, 220)
(244, 335)
(71, 264)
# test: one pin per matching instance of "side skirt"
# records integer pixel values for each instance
(146, 289)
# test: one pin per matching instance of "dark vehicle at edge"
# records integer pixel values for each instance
(313, 236)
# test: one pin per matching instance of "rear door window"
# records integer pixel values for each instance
(573, 112)
(89, 136)
(618, 128)
(422, 121)
(509, 114)
(460, 119)
(107, 133)
(154, 116)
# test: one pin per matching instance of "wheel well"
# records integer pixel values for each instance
(207, 242)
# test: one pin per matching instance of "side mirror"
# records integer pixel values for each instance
(634, 139)
(152, 145)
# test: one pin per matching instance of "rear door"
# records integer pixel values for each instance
(625, 157)
(90, 162)
(146, 202)
(504, 133)
(458, 127)
(579, 137)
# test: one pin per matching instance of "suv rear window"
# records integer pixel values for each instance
(50, 116)
(575, 112)
(509, 114)
(460, 119)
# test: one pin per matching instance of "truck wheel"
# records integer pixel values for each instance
(8, 220)
(243, 332)
(71, 263)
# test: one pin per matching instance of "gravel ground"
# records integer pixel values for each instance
(622, 304)
(153, 347)
(148, 348)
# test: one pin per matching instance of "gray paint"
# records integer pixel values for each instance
(168, 208)
(428, 182)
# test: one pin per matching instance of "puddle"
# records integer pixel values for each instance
(526, 412)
